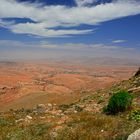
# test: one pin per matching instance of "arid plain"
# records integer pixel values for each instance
(26, 84)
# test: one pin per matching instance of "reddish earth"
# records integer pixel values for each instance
(25, 84)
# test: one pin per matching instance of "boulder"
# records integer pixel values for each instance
(135, 135)
(137, 73)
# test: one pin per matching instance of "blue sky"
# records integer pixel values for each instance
(60, 28)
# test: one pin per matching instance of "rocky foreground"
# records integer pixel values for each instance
(81, 120)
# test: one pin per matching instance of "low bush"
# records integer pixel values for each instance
(78, 108)
(135, 115)
(64, 107)
(119, 102)
(3, 122)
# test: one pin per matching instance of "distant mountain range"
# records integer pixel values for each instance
(97, 61)
(84, 61)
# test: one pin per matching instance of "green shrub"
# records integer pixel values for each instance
(3, 122)
(64, 107)
(135, 115)
(101, 100)
(78, 108)
(119, 102)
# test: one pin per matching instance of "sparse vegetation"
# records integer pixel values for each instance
(30, 132)
(135, 115)
(87, 126)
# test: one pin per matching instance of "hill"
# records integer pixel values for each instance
(81, 120)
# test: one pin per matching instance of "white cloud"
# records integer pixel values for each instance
(84, 2)
(40, 30)
(53, 16)
(119, 41)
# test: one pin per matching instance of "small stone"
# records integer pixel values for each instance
(59, 111)
(29, 117)
(20, 120)
(75, 111)
(102, 130)
(49, 106)
(62, 114)
(42, 117)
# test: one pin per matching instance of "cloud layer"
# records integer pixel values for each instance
(48, 18)
(45, 49)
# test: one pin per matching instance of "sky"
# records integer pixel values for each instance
(40, 29)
